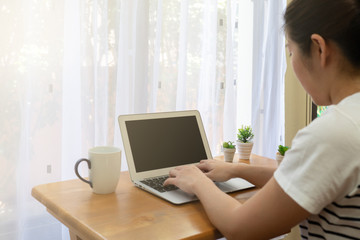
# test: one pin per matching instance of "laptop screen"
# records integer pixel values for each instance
(165, 142)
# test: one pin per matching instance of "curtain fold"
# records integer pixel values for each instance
(207, 96)
(157, 17)
(71, 85)
(268, 77)
(182, 59)
(68, 69)
(230, 103)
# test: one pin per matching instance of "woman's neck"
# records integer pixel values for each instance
(344, 87)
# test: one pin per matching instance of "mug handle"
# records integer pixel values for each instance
(77, 172)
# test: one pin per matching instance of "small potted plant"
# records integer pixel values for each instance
(229, 151)
(244, 142)
(281, 153)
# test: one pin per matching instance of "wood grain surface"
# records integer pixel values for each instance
(129, 213)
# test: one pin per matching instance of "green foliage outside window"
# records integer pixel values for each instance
(320, 110)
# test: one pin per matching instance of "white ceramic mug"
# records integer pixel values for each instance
(104, 169)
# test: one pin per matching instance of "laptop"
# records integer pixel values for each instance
(154, 143)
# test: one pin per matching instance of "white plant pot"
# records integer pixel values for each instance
(279, 158)
(229, 154)
(244, 149)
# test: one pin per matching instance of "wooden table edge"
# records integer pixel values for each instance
(80, 231)
(75, 226)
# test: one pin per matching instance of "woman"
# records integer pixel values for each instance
(318, 183)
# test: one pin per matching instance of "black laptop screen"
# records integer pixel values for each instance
(165, 142)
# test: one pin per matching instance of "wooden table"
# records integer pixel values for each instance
(129, 213)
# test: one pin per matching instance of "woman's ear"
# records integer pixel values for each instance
(320, 49)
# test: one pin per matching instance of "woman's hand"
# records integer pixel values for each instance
(187, 178)
(216, 170)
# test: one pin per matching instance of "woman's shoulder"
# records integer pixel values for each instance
(341, 120)
(338, 128)
(349, 107)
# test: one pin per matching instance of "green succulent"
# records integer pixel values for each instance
(228, 144)
(245, 134)
(282, 149)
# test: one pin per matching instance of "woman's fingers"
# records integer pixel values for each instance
(173, 173)
(169, 181)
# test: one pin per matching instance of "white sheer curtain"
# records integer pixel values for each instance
(69, 68)
(269, 65)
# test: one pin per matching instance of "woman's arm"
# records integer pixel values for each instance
(221, 171)
(269, 213)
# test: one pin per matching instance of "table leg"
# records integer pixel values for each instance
(73, 236)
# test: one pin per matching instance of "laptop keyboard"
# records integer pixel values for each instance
(157, 184)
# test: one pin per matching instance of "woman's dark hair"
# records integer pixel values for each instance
(335, 20)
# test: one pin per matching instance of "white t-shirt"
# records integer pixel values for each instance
(321, 172)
